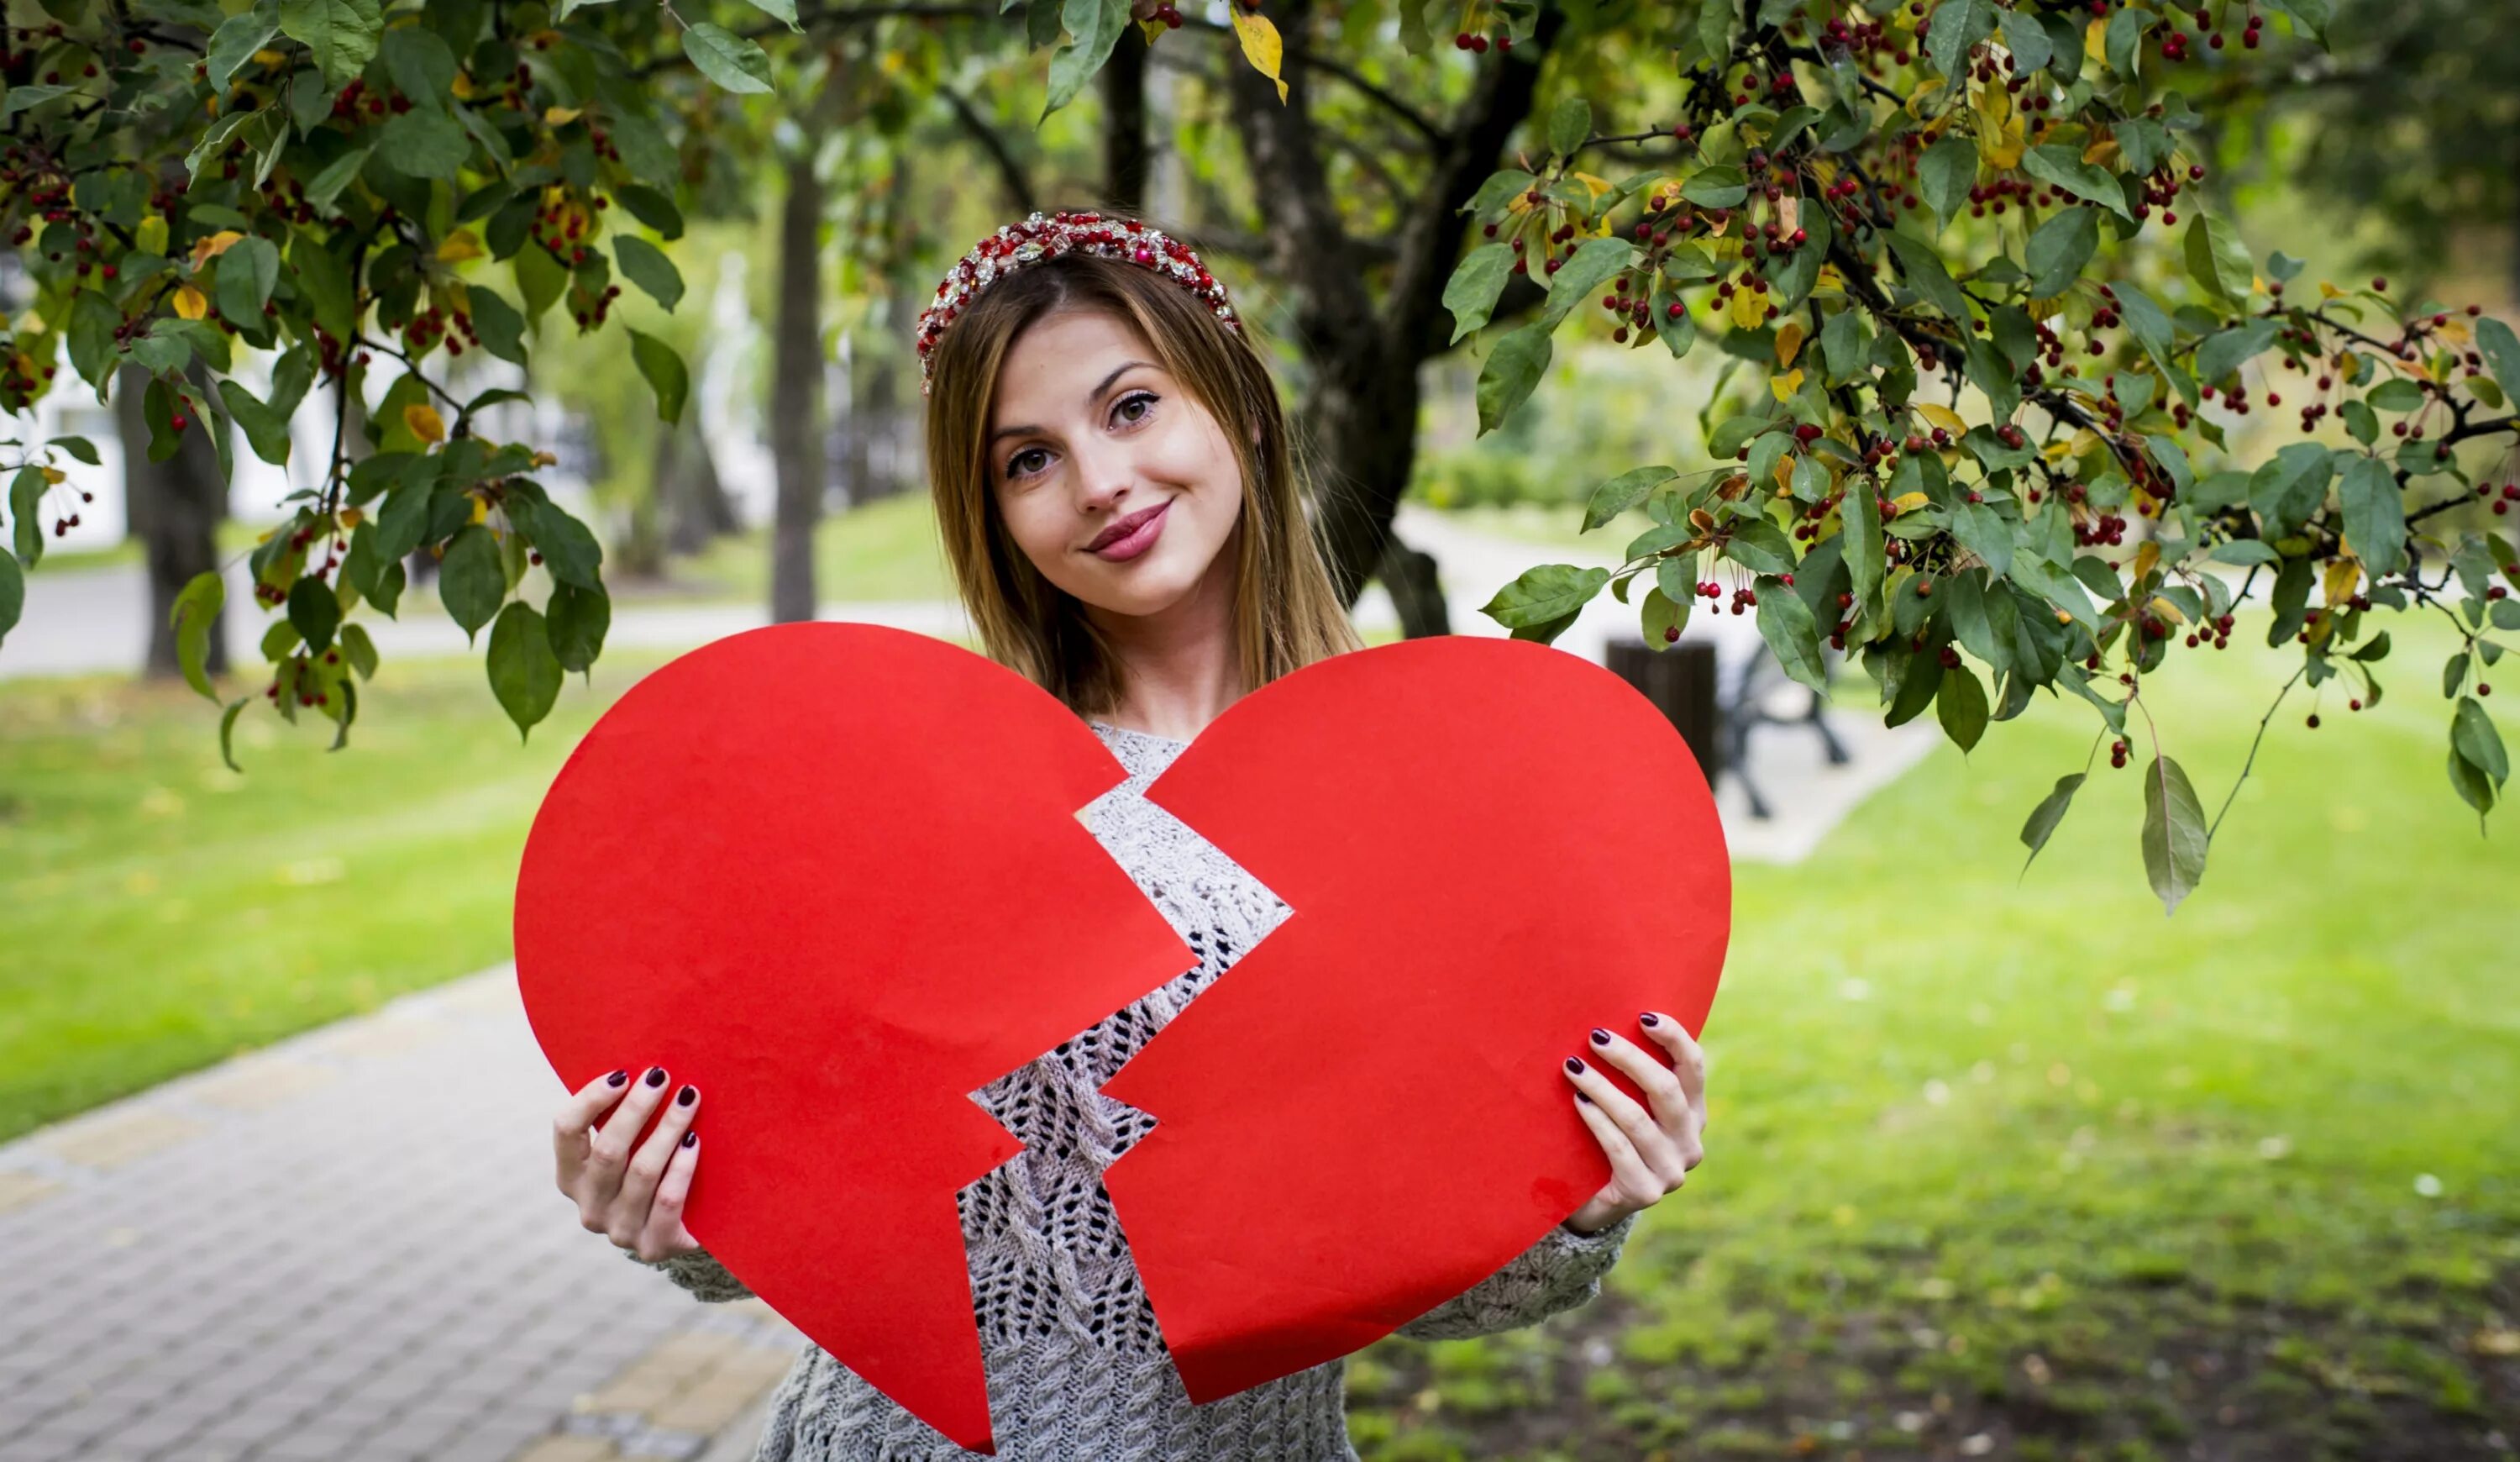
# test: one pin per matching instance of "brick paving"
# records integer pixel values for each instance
(348, 1248)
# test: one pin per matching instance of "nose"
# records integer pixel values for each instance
(1104, 476)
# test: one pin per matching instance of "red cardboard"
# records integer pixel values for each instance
(1490, 847)
(832, 875)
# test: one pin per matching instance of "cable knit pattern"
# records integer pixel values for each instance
(1076, 1364)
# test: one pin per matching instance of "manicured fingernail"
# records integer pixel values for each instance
(655, 1076)
(691, 1138)
(1600, 1037)
(1574, 1063)
(1581, 1097)
(616, 1078)
(687, 1096)
(1648, 1018)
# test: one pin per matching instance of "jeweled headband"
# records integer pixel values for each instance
(1046, 236)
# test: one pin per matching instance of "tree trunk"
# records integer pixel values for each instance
(795, 395)
(1361, 407)
(175, 508)
(1127, 154)
(695, 501)
(1417, 592)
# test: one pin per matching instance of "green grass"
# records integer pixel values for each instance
(1990, 1156)
(2021, 1159)
(886, 549)
(233, 537)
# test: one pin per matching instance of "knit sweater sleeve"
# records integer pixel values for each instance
(1561, 1271)
(700, 1272)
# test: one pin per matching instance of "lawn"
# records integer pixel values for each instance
(1998, 1167)
(886, 549)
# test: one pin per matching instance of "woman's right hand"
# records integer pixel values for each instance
(633, 1198)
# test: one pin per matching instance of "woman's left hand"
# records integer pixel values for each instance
(1652, 1147)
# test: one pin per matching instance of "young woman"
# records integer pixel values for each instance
(1119, 497)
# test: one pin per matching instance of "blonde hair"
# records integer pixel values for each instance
(1286, 611)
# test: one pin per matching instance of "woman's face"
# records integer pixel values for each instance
(1090, 436)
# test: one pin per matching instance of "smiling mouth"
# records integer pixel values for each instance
(1123, 528)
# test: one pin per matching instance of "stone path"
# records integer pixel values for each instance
(348, 1248)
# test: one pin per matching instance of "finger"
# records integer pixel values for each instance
(569, 1124)
(1660, 1084)
(1653, 1144)
(665, 1235)
(608, 1156)
(1689, 1058)
(647, 1168)
(1632, 1183)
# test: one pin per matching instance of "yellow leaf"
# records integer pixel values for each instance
(1829, 278)
(2095, 42)
(1789, 213)
(481, 509)
(1595, 186)
(54, 474)
(1943, 416)
(545, 459)
(2328, 291)
(2455, 330)
(2165, 610)
(1786, 384)
(150, 236)
(2349, 366)
(460, 247)
(463, 87)
(1748, 310)
(2147, 559)
(1908, 502)
(2085, 443)
(352, 517)
(216, 245)
(1260, 45)
(424, 422)
(269, 57)
(560, 117)
(1789, 341)
(191, 303)
(1784, 473)
(2342, 578)
(2103, 151)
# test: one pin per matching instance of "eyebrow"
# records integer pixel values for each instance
(1003, 433)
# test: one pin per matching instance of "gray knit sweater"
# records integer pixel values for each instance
(1075, 1363)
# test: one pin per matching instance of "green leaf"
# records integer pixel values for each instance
(325, 282)
(192, 614)
(2473, 786)
(2502, 351)
(1471, 292)
(1622, 493)
(1550, 592)
(314, 612)
(424, 144)
(227, 732)
(342, 34)
(266, 431)
(1786, 624)
(2059, 249)
(1944, 174)
(647, 266)
(470, 579)
(779, 9)
(2473, 736)
(1093, 27)
(742, 68)
(2043, 818)
(1584, 271)
(248, 273)
(2218, 259)
(2064, 167)
(1861, 517)
(1925, 274)
(524, 673)
(2173, 833)
(496, 321)
(93, 322)
(651, 207)
(577, 621)
(420, 64)
(359, 650)
(2226, 350)
(12, 593)
(569, 551)
(80, 447)
(1960, 705)
(2375, 516)
(1511, 370)
(1982, 533)
(26, 493)
(236, 41)
(2027, 39)
(1760, 546)
(1570, 125)
(666, 375)
(1721, 187)
(1958, 24)
(1661, 616)
(540, 279)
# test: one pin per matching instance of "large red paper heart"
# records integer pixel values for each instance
(761, 869)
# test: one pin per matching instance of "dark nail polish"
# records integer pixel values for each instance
(1581, 1097)
(1648, 1018)
(1600, 1037)
(655, 1076)
(1574, 1063)
(616, 1078)
(687, 1096)
(689, 1138)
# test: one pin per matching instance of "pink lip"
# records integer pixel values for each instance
(1138, 534)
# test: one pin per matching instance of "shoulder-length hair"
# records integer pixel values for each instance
(1286, 611)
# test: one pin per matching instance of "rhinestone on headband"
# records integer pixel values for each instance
(1046, 235)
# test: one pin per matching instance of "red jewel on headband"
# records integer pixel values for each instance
(1047, 235)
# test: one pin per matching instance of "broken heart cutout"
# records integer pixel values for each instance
(834, 874)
